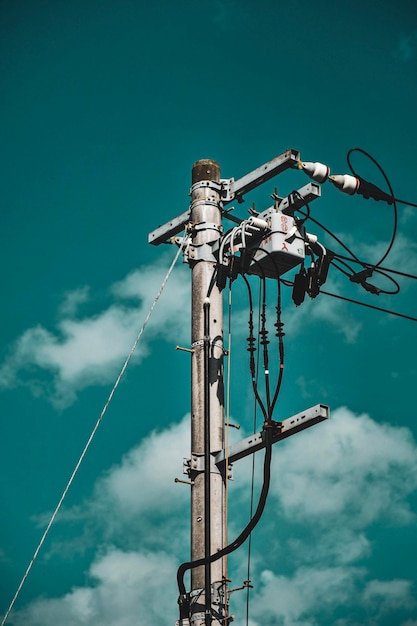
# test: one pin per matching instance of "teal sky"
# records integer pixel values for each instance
(104, 107)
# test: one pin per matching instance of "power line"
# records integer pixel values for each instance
(91, 437)
(369, 306)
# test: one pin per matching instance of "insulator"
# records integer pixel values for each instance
(346, 183)
(316, 171)
(279, 326)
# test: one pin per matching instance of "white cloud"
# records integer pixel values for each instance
(350, 466)
(310, 596)
(91, 350)
(142, 489)
(338, 478)
(326, 311)
(388, 595)
(127, 588)
(296, 600)
(72, 301)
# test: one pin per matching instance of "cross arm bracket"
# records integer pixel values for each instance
(282, 430)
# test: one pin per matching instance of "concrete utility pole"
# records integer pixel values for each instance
(208, 522)
(276, 247)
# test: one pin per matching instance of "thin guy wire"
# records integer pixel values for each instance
(90, 439)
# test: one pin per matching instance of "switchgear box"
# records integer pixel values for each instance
(282, 249)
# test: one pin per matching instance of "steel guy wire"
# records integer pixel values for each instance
(93, 432)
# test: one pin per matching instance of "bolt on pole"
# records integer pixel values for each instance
(209, 598)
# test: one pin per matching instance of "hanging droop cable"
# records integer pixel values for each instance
(263, 332)
(183, 597)
(279, 325)
(252, 488)
(368, 268)
(252, 349)
(367, 195)
(184, 600)
(93, 432)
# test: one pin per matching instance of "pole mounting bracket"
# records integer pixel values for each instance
(195, 465)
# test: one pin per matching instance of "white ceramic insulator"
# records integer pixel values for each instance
(316, 171)
(346, 183)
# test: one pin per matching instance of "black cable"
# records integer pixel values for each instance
(360, 278)
(335, 237)
(385, 269)
(243, 535)
(354, 259)
(263, 332)
(280, 334)
(370, 306)
(252, 489)
(394, 202)
(251, 349)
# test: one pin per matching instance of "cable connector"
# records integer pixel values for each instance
(360, 279)
(316, 171)
(355, 184)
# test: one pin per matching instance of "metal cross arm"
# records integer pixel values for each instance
(235, 189)
(229, 190)
(284, 429)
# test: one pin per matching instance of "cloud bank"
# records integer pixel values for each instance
(84, 351)
(330, 486)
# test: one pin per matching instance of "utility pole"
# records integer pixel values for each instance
(208, 524)
(273, 245)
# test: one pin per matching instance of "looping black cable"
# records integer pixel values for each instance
(394, 202)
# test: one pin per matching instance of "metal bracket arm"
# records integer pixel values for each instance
(169, 229)
(283, 429)
(300, 198)
(229, 190)
(237, 188)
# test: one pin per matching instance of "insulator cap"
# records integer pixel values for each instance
(316, 171)
(346, 183)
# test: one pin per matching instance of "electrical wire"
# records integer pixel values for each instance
(369, 306)
(394, 202)
(385, 269)
(240, 539)
(354, 259)
(280, 334)
(91, 437)
(251, 349)
(252, 488)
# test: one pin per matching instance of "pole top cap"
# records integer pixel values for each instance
(205, 169)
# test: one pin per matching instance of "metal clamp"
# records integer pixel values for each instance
(208, 226)
(214, 344)
(200, 252)
(207, 184)
(195, 465)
